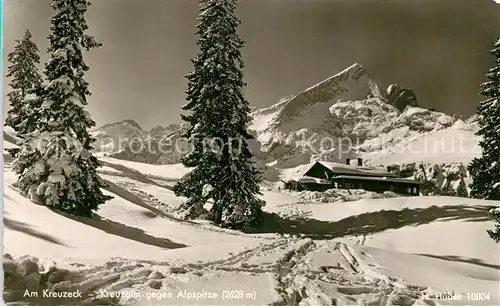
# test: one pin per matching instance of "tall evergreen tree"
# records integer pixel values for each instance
(447, 189)
(25, 80)
(485, 170)
(55, 165)
(462, 189)
(217, 121)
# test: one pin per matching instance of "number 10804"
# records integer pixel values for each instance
(478, 296)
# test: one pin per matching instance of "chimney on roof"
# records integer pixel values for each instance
(360, 162)
(347, 161)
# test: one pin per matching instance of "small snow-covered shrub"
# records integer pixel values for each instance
(54, 169)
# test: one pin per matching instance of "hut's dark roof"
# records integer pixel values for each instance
(380, 179)
(355, 170)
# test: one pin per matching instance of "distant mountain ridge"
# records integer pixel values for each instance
(347, 109)
(127, 140)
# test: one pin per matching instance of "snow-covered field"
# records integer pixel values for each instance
(163, 172)
(389, 251)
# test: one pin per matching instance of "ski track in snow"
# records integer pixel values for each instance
(297, 272)
(280, 271)
(167, 211)
(294, 271)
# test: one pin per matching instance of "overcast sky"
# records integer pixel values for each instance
(438, 48)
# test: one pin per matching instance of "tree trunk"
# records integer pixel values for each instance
(217, 216)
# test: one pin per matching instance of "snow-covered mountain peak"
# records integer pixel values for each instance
(115, 136)
(343, 85)
(127, 123)
(328, 111)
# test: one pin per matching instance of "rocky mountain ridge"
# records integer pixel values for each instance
(341, 117)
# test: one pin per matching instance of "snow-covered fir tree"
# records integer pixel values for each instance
(55, 166)
(447, 189)
(24, 80)
(217, 118)
(495, 233)
(485, 170)
(462, 189)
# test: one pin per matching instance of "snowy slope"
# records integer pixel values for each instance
(29, 230)
(136, 248)
(437, 241)
(123, 229)
(457, 143)
(442, 274)
(9, 142)
(9, 138)
(166, 172)
(389, 251)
